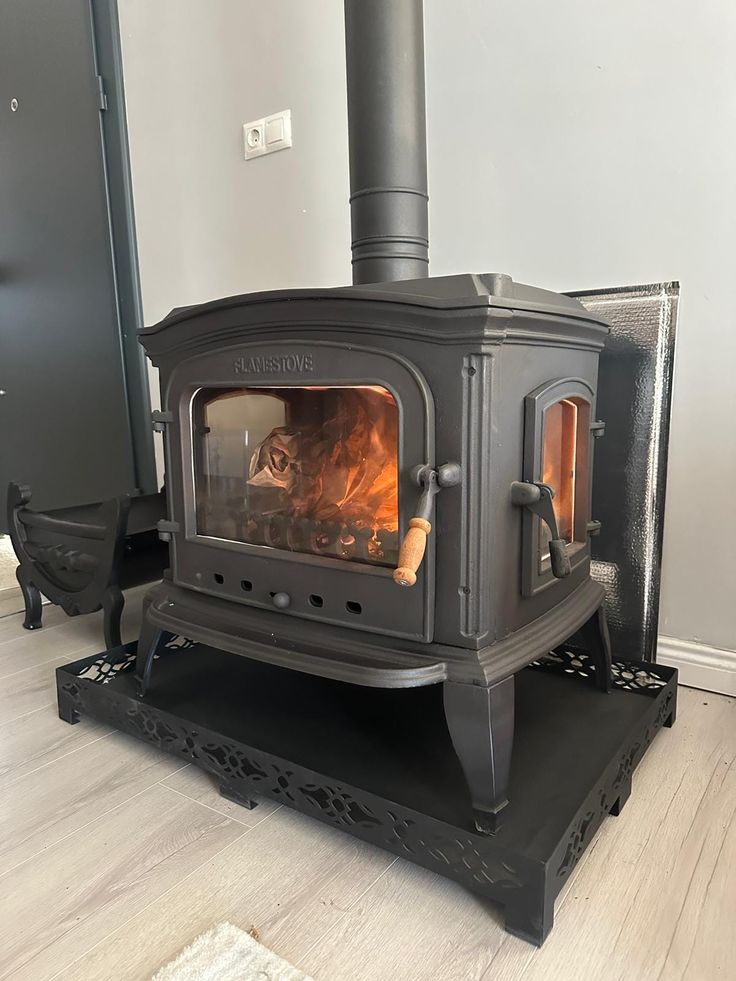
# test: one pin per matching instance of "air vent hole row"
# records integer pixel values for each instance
(315, 599)
(350, 606)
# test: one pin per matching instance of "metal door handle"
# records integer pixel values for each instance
(537, 498)
(414, 544)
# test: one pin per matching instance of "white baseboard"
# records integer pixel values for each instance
(700, 666)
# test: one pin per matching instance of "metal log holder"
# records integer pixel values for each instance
(82, 558)
(305, 534)
(379, 763)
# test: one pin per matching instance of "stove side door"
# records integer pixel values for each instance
(558, 453)
(290, 473)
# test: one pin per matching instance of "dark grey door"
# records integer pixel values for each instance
(64, 420)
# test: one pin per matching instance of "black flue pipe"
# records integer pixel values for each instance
(384, 42)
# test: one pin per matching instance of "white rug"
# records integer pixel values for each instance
(227, 953)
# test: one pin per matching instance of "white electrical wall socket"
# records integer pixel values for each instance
(262, 136)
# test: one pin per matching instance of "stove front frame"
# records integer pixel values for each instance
(197, 559)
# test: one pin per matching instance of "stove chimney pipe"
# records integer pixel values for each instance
(384, 42)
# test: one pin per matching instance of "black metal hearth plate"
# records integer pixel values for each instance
(378, 763)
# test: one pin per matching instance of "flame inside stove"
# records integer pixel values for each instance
(305, 468)
(559, 462)
(333, 464)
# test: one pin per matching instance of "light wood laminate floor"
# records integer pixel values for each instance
(113, 857)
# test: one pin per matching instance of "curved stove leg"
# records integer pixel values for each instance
(481, 724)
(149, 642)
(597, 642)
(31, 599)
(113, 602)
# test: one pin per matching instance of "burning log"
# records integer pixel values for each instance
(301, 534)
(337, 469)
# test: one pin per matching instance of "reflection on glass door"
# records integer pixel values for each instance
(307, 469)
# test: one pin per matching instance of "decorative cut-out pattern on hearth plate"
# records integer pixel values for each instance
(104, 668)
(575, 661)
(480, 862)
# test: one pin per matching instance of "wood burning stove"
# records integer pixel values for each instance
(310, 434)
(386, 484)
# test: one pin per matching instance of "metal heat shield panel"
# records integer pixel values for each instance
(634, 400)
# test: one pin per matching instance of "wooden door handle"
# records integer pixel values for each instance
(412, 551)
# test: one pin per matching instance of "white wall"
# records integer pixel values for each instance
(573, 145)
(210, 224)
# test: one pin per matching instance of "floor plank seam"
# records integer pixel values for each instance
(16, 718)
(520, 971)
(346, 913)
(67, 629)
(683, 904)
(14, 612)
(696, 809)
(79, 830)
(624, 926)
(57, 619)
(696, 865)
(111, 902)
(71, 752)
(48, 705)
(193, 800)
(713, 871)
(73, 656)
(671, 801)
(24, 634)
(159, 899)
(62, 658)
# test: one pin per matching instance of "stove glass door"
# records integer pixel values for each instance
(304, 468)
(558, 451)
(565, 466)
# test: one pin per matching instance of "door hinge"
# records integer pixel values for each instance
(166, 529)
(161, 420)
(597, 429)
(101, 94)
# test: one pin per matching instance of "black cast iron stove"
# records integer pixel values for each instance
(361, 486)
(387, 484)
(380, 498)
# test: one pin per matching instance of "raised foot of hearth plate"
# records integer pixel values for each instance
(624, 792)
(67, 711)
(379, 763)
(531, 922)
(231, 793)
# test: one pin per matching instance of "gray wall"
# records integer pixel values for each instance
(574, 145)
